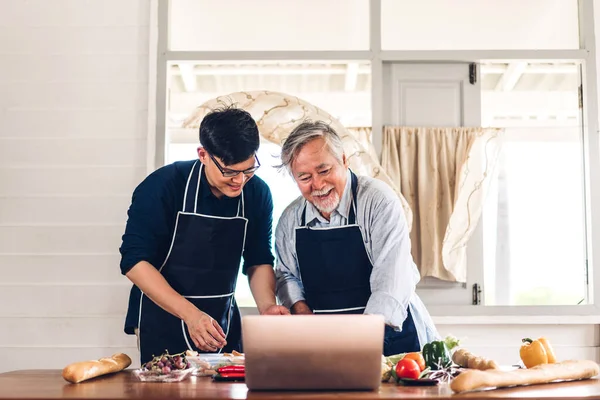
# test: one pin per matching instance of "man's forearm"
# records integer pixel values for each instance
(393, 311)
(300, 307)
(262, 285)
(155, 286)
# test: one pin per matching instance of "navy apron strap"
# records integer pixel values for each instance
(241, 206)
(197, 188)
(352, 213)
(303, 220)
(192, 187)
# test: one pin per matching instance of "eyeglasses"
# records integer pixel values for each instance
(230, 173)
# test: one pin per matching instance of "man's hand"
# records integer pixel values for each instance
(301, 307)
(206, 333)
(275, 310)
(262, 285)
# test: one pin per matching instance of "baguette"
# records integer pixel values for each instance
(563, 371)
(84, 370)
(466, 359)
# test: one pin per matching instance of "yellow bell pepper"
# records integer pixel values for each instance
(549, 350)
(533, 353)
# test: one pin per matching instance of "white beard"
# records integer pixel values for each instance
(328, 205)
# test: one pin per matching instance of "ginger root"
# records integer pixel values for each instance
(466, 359)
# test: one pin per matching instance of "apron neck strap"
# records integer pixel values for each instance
(354, 185)
(352, 214)
(198, 189)
(191, 188)
(303, 220)
(240, 211)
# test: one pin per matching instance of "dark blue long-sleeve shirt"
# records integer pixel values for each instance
(153, 211)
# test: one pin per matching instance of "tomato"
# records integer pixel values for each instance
(407, 368)
(418, 357)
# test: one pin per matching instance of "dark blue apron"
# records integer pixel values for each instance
(202, 265)
(335, 271)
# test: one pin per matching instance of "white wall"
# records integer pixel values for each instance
(73, 126)
(500, 338)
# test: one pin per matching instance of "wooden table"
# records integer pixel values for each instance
(48, 384)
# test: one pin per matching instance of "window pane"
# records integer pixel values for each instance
(480, 25)
(534, 220)
(269, 25)
(341, 89)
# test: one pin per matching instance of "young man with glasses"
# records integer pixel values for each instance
(189, 225)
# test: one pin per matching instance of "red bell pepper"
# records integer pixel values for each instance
(232, 368)
(240, 375)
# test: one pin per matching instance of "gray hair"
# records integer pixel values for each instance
(306, 132)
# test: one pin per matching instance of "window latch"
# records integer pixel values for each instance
(472, 73)
(476, 294)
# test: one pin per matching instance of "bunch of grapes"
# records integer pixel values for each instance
(166, 363)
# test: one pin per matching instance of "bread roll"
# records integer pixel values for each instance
(84, 370)
(565, 371)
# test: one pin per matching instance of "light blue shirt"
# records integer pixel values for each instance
(382, 222)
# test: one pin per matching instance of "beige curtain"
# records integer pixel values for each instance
(363, 135)
(363, 160)
(444, 174)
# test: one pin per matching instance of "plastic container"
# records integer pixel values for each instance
(176, 375)
(206, 364)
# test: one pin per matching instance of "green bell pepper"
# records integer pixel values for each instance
(436, 355)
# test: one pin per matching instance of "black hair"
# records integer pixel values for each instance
(230, 134)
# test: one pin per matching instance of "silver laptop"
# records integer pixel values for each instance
(310, 352)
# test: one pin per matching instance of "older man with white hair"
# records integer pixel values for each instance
(344, 246)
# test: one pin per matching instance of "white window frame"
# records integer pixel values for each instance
(160, 56)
